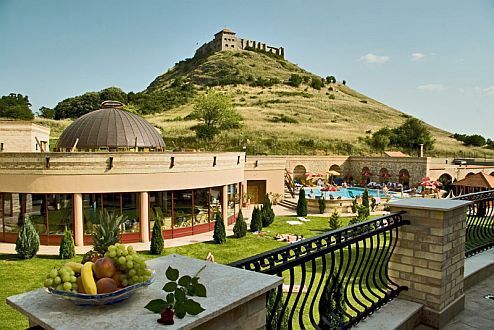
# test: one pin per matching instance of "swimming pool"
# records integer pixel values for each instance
(348, 193)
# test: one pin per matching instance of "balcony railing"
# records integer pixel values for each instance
(333, 280)
(480, 222)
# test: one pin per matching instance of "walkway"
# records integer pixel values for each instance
(478, 312)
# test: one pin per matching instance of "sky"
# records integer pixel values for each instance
(430, 59)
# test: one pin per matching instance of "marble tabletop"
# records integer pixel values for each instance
(227, 288)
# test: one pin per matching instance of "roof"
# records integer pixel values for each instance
(110, 127)
(6, 123)
(227, 31)
(480, 179)
(395, 154)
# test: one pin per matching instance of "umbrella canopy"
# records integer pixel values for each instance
(333, 172)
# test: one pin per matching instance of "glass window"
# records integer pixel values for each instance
(231, 200)
(129, 210)
(11, 212)
(216, 198)
(59, 207)
(182, 208)
(201, 205)
(36, 209)
(160, 204)
(92, 207)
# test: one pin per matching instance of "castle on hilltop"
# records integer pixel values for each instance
(227, 40)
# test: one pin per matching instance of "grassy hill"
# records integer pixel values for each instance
(278, 118)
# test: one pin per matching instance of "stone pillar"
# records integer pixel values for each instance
(78, 220)
(429, 256)
(144, 216)
(224, 206)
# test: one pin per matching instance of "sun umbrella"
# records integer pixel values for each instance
(333, 173)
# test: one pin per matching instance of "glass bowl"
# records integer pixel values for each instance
(82, 299)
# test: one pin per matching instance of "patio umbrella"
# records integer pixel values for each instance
(333, 173)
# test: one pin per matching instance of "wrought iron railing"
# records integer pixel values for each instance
(480, 222)
(331, 281)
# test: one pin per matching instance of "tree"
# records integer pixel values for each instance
(301, 204)
(344, 82)
(330, 79)
(27, 243)
(295, 80)
(278, 321)
(216, 112)
(15, 106)
(46, 112)
(412, 133)
(334, 221)
(362, 215)
(373, 203)
(157, 242)
(255, 221)
(354, 205)
(322, 204)
(67, 249)
(332, 303)
(365, 202)
(381, 139)
(240, 228)
(267, 213)
(219, 235)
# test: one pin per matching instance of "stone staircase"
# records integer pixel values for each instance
(289, 203)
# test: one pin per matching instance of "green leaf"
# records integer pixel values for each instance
(191, 290)
(170, 298)
(170, 286)
(180, 310)
(156, 305)
(192, 307)
(172, 274)
(200, 290)
(184, 280)
(180, 295)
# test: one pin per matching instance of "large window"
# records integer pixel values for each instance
(182, 208)
(11, 212)
(232, 191)
(216, 198)
(117, 203)
(201, 206)
(160, 204)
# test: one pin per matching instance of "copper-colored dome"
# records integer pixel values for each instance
(110, 128)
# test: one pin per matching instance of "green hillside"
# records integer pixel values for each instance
(277, 118)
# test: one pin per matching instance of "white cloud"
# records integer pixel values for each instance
(417, 56)
(489, 90)
(431, 88)
(371, 58)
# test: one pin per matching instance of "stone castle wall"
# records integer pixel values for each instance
(227, 40)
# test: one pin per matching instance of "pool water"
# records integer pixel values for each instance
(348, 193)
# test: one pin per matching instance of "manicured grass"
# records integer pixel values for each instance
(17, 276)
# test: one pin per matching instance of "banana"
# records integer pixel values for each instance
(88, 279)
(75, 266)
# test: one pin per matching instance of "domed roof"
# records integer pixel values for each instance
(110, 127)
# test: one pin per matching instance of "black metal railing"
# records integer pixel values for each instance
(480, 222)
(331, 281)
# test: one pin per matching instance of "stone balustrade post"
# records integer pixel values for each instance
(429, 256)
(78, 220)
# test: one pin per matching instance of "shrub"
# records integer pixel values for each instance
(283, 119)
(365, 202)
(373, 203)
(256, 222)
(219, 235)
(301, 204)
(157, 243)
(316, 83)
(67, 249)
(273, 313)
(267, 213)
(27, 244)
(294, 80)
(334, 221)
(322, 205)
(362, 215)
(332, 303)
(240, 228)
(354, 205)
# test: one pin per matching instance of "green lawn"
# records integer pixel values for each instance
(17, 276)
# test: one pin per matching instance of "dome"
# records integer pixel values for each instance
(110, 128)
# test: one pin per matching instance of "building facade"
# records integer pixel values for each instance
(23, 136)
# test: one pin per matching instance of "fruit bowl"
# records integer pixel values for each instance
(82, 299)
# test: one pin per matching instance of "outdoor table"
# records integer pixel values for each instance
(229, 290)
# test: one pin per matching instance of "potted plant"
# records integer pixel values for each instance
(246, 199)
(177, 301)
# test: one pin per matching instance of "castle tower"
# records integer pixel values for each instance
(226, 39)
